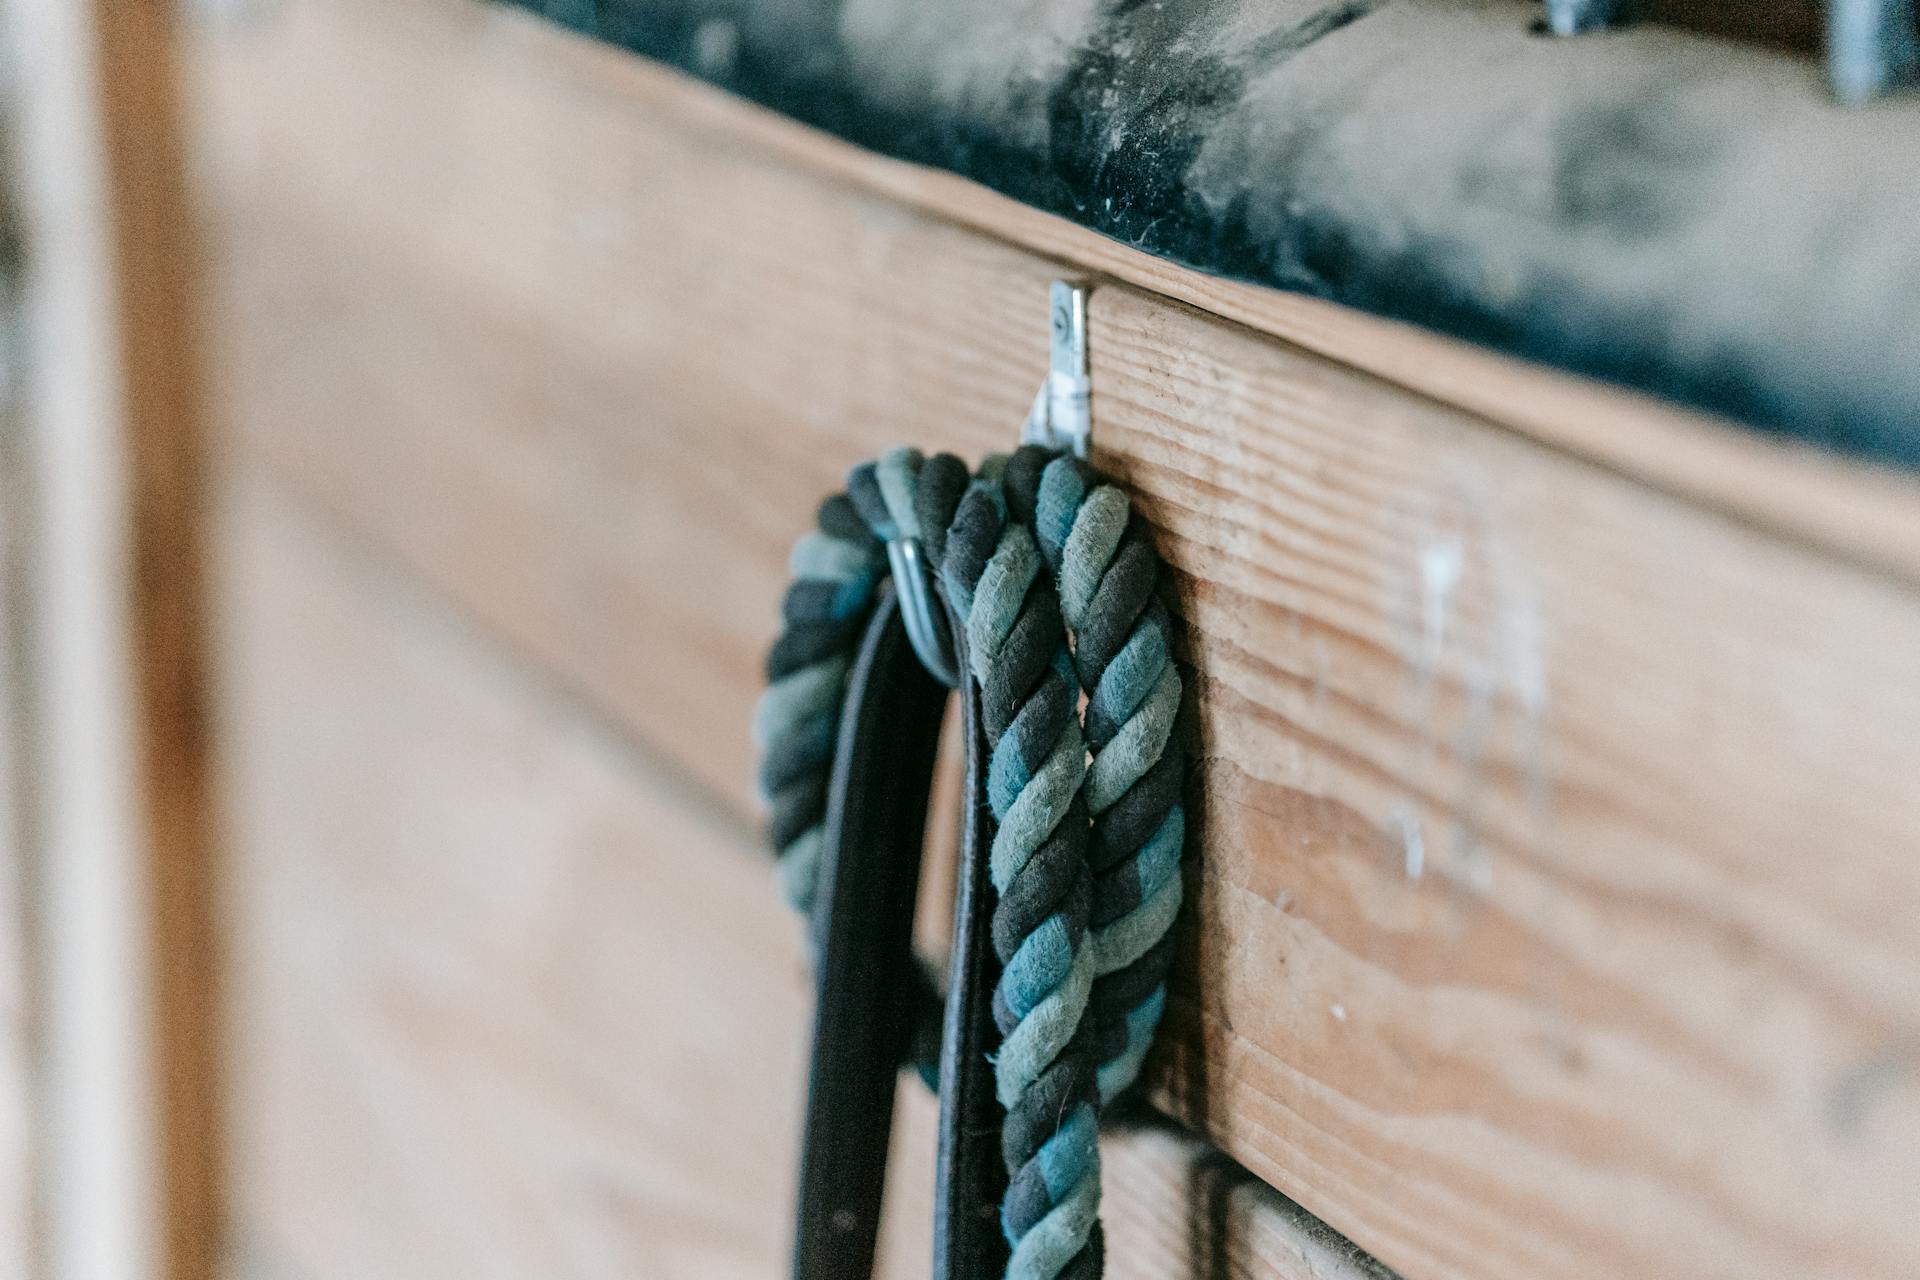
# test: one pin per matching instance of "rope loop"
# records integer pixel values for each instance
(1056, 582)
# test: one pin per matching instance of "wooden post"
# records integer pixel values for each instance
(115, 755)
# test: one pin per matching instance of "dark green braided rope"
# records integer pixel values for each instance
(1056, 583)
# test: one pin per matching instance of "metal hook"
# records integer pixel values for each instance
(913, 581)
(1062, 413)
(1061, 418)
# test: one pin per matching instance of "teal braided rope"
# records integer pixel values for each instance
(1084, 895)
(837, 569)
(1018, 656)
(1108, 576)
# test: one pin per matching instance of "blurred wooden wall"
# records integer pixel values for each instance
(109, 1144)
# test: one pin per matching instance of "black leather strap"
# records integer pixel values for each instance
(969, 1176)
(867, 979)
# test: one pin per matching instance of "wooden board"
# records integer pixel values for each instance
(1560, 841)
(115, 780)
(513, 1001)
(1555, 917)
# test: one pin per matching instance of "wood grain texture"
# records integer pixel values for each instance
(156, 282)
(617, 378)
(1559, 841)
(116, 765)
(515, 1002)
(1555, 916)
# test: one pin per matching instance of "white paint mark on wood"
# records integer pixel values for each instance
(1413, 844)
(1441, 564)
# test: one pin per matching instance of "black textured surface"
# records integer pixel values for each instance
(1685, 217)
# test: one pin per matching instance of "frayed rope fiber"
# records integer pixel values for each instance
(1056, 581)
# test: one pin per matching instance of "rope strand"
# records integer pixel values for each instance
(1108, 575)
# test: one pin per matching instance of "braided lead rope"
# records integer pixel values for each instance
(1037, 759)
(836, 572)
(1108, 574)
(1076, 947)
